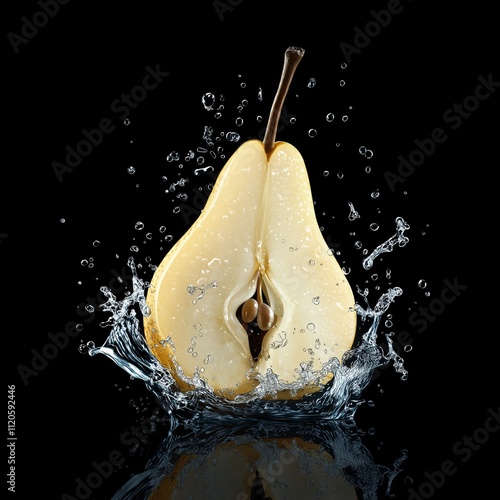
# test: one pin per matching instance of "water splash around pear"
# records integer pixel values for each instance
(339, 399)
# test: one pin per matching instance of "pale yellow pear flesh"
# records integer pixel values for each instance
(258, 220)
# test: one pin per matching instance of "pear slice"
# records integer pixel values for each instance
(252, 286)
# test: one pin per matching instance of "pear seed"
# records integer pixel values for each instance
(265, 317)
(249, 311)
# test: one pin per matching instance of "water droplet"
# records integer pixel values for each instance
(139, 225)
(208, 359)
(89, 308)
(330, 117)
(84, 262)
(126, 122)
(312, 262)
(62, 220)
(311, 326)
(96, 243)
(342, 83)
(134, 248)
(340, 175)
(374, 226)
(343, 65)
(232, 136)
(422, 283)
(131, 170)
(239, 121)
(208, 101)
(176, 210)
(317, 344)
(326, 173)
(312, 132)
(345, 118)
(311, 83)
(203, 170)
(293, 120)
(368, 169)
(375, 194)
(259, 94)
(407, 348)
(353, 213)
(173, 156)
(243, 85)
(316, 300)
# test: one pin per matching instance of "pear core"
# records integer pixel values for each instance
(259, 223)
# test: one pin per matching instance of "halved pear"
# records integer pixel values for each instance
(257, 251)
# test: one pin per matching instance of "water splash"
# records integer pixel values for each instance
(397, 239)
(126, 346)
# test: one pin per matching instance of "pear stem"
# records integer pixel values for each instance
(293, 56)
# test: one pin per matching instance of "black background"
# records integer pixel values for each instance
(65, 78)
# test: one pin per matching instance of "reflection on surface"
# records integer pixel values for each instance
(262, 460)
